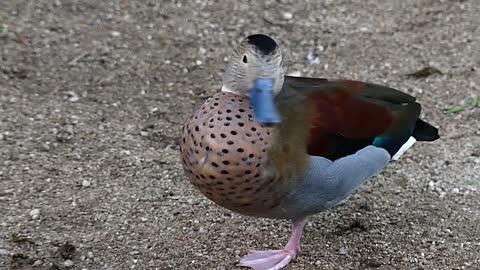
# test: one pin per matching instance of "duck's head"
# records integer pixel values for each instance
(255, 70)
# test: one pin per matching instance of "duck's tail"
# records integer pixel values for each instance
(425, 132)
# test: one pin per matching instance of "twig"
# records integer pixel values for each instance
(75, 60)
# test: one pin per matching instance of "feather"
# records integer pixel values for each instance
(350, 115)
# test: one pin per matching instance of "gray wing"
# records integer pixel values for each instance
(326, 183)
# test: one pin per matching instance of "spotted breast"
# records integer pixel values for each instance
(225, 155)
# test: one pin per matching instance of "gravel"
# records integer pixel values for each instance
(93, 93)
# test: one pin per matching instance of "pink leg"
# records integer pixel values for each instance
(276, 259)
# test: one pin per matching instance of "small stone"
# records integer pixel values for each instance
(343, 251)
(250, 229)
(4, 252)
(314, 60)
(72, 96)
(86, 183)
(202, 230)
(203, 50)
(287, 15)
(143, 133)
(68, 263)
(7, 192)
(35, 213)
(90, 255)
(198, 62)
(115, 34)
(76, 156)
(455, 190)
(442, 194)
(37, 263)
(44, 147)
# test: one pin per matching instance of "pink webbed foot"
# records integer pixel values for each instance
(275, 259)
(268, 259)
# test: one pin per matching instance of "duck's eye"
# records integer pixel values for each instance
(244, 59)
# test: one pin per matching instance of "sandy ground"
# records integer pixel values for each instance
(93, 93)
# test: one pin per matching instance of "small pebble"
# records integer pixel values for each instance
(455, 190)
(314, 60)
(115, 34)
(35, 213)
(72, 96)
(287, 15)
(343, 251)
(68, 263)
(44, 147)
(4, 252)
(37, 263)
(442, 194)
(86, 183)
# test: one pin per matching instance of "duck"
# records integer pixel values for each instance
(273, 146)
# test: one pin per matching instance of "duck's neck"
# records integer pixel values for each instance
(289, 152)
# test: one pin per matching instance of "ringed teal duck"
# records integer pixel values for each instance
(274, 146)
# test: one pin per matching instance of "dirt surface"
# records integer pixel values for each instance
(93, 93)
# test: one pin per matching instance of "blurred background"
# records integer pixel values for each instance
(93, 94)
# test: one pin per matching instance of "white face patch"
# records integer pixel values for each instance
(226, 89)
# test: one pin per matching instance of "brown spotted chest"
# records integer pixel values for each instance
(224, 154)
